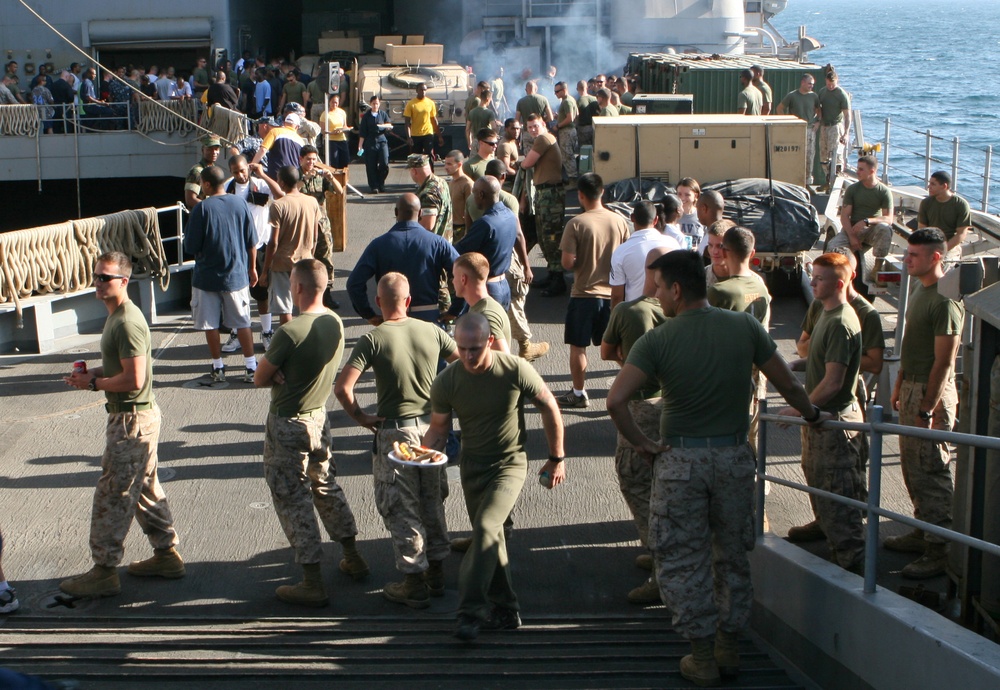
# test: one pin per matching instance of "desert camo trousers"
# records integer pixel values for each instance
(129, 488)
(830, 461)
(410, 501)
(925, 463)
(700, 530)
(569, 146)
(520, 329)
(635, 474)
(302, 478)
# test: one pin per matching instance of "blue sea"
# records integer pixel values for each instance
(925, 64)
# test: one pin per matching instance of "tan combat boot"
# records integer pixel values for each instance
(412, 591)
(811, 531)
(931, 564)
(911, 542)
(461, 544)
(434, 577)
(353, 563)
(727, 655)
(532, 351)
(699, 666)
(164, 563)
(646, 594)
(309, 592)
(93, 584)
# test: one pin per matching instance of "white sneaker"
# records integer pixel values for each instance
(265, 339)
(233, 344)
(8, 601)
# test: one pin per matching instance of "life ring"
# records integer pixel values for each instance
(410, 77)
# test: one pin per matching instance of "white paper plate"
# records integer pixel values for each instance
(442, 459)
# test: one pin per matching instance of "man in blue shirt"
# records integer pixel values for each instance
(220, 234)
(409, 249)
(262, 95)
(493, 236)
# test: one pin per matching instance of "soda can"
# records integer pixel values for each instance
(545, 479)
(80, 366)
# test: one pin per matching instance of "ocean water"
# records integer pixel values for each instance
(925, 64)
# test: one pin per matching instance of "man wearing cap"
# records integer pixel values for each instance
(420, 118)
(210, 147)
(283, 145)
(434, 195)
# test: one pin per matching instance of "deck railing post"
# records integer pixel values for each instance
(987, 171)
(761, 469)
(885, 155)
(874, 497)
(954, 164)
(927, 160)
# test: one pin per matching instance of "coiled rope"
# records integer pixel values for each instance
(60, 258)
(230, 125)
(19, 120)
(172, 117)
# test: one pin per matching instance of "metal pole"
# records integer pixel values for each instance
(761, 469)
(76, 150)
(874, 498)
(986, 178)
(927, 160)
(326, 134)
(954, 164)
(904, 298)
(885, 155)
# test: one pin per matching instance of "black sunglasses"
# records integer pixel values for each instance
(491, 143)
(105, 277)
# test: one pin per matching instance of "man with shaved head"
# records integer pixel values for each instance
(408, 249)
(493, 236)
(710, 208)
(403, 353)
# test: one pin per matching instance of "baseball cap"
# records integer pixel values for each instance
(211, 141)
(417, 160)
(294, 107)
(293, 119)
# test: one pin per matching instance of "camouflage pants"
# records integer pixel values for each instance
(411, 502)
(829, 140)
(925, 463)
(810, 153)
(324, 245)
(550, 204)
(635, 475)
(700, 530)
(569, 147)
(300, 473)
(129, 488)
(585, 135)
(491, 488)
(830, 459)
(876, 237)
(519, 328)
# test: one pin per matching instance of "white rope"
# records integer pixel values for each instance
(172, 117)
(60, 258)
(19, 120)
(230, 125)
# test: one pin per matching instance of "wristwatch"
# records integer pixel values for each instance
(926, 416)
(93, 384)
(555, 459)
(815, 415)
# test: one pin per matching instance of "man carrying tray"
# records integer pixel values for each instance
(488, 391)
(403, 352)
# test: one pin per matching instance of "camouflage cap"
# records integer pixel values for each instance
(417, 160)
(211, 141)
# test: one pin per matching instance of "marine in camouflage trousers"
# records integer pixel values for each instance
(830, 461)
(129, 488)
(550, 204)
(700, 530)
(829, 140)
(569, 147)
(635, 475)
(520, 329)
(300, 473)
(324, 245)
(410, 501)
(925, 463)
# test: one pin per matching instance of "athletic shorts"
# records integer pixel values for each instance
(279, 292)
(258, 291)
(208, 307)
(586, 320)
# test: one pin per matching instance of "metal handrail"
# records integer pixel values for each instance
(876, 429)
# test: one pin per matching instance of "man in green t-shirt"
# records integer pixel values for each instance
(925, 397)
(584, 116)
(532, 103)
(404, 354)
(479, 118)
(866, 219)
(299, 367)
(803, 103)
(630, 321)
(128, 486)
(831, 457)
(487, 390)
(470, 272)
(946, 211)
(767, 96)
(565, 130)
(835, 123)
(702, 498)
(486, 145)
(750, 100)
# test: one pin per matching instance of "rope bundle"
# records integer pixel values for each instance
(168, 116)
(19, 120)
(229, 125)
(60, 258)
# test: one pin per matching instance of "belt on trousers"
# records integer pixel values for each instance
(916, 378)
(114, 408)
(549, 185)
(425, 307)
(705, 441)
(496, 279)
(406, 422)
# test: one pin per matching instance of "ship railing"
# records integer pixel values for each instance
(970, 166)
(65, 118)
(877, 431)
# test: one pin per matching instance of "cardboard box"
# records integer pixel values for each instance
(430, 54)
(381, 41)
(415, 40)
(340, 45)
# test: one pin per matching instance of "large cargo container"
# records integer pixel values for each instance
(709, 148)
(714, 80)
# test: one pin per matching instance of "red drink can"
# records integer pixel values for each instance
(80, 366)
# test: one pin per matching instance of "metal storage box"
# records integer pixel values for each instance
(662, 104)
(709, 148)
